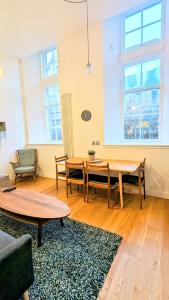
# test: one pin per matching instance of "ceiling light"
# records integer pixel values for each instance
(89, 67)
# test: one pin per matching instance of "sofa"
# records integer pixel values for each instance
(16, 267)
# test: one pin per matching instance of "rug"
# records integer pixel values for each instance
(73, 261)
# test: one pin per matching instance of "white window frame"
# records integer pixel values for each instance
(54, 85)
(138, 54)
(47, 82)
(43, 53)
(133, 12)
(141, 89)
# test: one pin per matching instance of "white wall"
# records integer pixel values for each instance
(10, 112)
(88, 93)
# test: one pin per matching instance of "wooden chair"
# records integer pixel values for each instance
(137, 182)
(76, 177)
(98, 176)
(60, 174)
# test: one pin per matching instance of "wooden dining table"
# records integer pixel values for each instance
(119, 167)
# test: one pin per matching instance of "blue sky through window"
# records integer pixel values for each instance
(143, 26)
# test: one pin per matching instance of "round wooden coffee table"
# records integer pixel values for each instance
(33, 208)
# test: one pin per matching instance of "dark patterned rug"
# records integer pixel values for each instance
(73, 261)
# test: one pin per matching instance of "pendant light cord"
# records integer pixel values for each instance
(87, 24)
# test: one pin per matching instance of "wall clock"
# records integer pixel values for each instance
(86, 115)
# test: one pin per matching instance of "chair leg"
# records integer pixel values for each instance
(144, 187)
(116, 195)
(87, 193)
(57, 183)
(141, 198)
(108, 196)
(84, 193)
(95, 190)
(67, 189)
(70, 188)
(25, 296)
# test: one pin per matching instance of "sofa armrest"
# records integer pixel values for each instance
(16, 274)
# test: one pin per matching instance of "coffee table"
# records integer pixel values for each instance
(33, 208)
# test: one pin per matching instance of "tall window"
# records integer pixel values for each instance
(53, 113)
(49, 65)
(142, 80)
(143, 26)
(49, 62)
(142, 100)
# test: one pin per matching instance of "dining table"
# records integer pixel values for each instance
(119, 167)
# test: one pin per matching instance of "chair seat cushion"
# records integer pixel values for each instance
(131, 179)
(102, 179)
(63, 172)
(5, 239)
(78, 174)
(21, 170)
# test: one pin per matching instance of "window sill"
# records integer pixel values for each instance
(44, 144)
(136, 146)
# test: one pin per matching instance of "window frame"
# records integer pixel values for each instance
(51, 85)
(42, 53)
(47, 82)
(133, 12)
(141, 60)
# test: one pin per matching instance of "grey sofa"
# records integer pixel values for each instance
(16, 268)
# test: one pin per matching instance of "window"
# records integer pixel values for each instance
(49, 62)
(52, 109)
(53, 113)
(143, 26)
(142, 100)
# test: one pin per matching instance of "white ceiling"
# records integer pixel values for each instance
(28, 26)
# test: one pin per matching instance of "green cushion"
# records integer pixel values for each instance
(27, 157)
(21, 170)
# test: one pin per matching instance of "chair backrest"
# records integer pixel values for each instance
(26, 157)
(99, 169)
(75, 166)
(61, 158)
(142, 168)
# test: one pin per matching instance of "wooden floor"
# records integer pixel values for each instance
(141, 267)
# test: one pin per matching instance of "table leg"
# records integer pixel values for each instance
(39, 234)
(121, 189)
(62, 223)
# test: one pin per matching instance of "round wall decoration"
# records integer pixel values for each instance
(86, 115)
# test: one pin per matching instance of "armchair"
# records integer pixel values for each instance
(26, 163)
(16, 266)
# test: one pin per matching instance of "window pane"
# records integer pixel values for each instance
(150, 101)
(52, 95)
(133, 39)
(150, 127)
(141, 115)
(132, 104)
(132, 76)
(53, 113)
(151, 72)
(152, 32)
(133, 22)
(49, 63)
(152, 14)
(131, 129)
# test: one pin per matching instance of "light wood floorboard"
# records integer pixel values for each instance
(140, 270)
